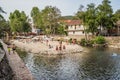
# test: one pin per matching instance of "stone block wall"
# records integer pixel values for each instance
(5, 70)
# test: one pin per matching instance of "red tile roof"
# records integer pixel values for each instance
(72, 22)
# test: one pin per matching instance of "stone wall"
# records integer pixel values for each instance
(113, 42)
(5, 70)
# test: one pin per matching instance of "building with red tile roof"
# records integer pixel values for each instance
(74, 27)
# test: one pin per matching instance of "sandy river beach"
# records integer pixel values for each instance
(50, 47)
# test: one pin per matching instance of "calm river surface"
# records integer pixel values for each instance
(97, 64)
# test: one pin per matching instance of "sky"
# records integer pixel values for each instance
(67, 7)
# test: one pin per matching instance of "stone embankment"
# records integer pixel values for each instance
(18, 67)
(44, 48)
(6, 72)
(113, 42)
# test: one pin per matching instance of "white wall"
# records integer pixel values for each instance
(74, 31)
(78, 27)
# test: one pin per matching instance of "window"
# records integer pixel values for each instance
(75, 27)
(83, 32)
(73, 32)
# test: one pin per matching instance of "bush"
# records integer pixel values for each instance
(90, 42)
(70, 40)
(83, 42)
(100, 40)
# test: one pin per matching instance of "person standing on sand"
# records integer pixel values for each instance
(60, 43)
(47, 42)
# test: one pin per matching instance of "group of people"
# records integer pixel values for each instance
(11, 48)
(61, 46)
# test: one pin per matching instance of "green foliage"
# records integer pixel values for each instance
(105, 14)
(18, 22)
(37, 17)
(60, 29)
(4, 27)
(91, 18)
(83, 42)
(70, 40)
(97, 40)
(117, 15)
(46, 19)
(1, 11)
(100, 40)
(100, 16)
(90, 42)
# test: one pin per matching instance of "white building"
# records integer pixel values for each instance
(74, 27)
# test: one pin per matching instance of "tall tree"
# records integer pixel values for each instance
(37, 17)
(117, 15)
(51, 16)
(46, 19)
(81, 14)
(18, 21)
(4, 25)
(104, 15)
(1, 11)
(91, 18)
(4, 29)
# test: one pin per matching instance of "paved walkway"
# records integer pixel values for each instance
(20, 70)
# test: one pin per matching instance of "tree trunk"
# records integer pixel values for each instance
(85, 34)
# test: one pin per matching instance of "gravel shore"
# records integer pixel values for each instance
(47, 47)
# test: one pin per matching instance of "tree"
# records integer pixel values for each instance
(18, 22)
(81, 14)
(117, 15)
(1, 11)
(51, 16)
(104, 15)
(4, 25)
(61, 29)
(37, 17)
(46, 19)
(91, 19)
(4, 28)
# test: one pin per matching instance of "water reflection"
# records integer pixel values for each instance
(97, 64)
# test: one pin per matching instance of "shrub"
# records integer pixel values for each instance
(100, 40)
(70, 40)
(83, 42)
(90, 42)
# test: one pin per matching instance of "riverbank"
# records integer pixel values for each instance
(51, 47)
(6, 72)
(113, 42)
(18, 67)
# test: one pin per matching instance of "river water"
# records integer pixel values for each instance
(96, 64)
